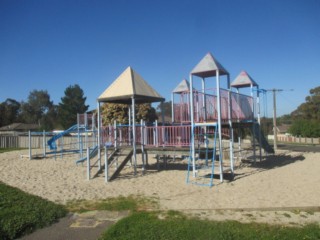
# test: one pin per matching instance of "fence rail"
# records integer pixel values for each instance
(38, 142)
(302, 140)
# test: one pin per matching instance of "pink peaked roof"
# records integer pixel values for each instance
(243, 80)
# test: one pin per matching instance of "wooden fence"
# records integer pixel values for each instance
(68, 142)
(302, 140)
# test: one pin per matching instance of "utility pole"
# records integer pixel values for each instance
(275, 135)
(275, 129)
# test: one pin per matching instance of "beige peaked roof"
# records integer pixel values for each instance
(243, 80)
(208, 67)
(183, 86)
(127, 86)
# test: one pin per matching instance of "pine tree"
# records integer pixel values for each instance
(71, 104)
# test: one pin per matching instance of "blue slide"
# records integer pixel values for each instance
(92, 154)
(52, 141)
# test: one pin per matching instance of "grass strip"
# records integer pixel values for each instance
(154, 225)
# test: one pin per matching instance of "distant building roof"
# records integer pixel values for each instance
(19, 127)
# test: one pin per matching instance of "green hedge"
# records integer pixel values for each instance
(22, 213)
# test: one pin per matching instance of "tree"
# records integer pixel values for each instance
(305, 128)
(71, 104)
(9, 111)
(311, 108)
(120, 112)
(37, 109)
(167, 108)
(307, 115)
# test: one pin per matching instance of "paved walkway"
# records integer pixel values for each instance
(85, 226)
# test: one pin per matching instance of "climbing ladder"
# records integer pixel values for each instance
(202, 166)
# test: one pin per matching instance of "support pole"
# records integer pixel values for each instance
(106, 170)
(134, 137)
(142, 145)
(172, 107)
(230, 126)
(99, 135)
(219, 126)
(193, 154)
(30, 151)
(253, 127)
(274, 121)
(88, 163)
(44, 143)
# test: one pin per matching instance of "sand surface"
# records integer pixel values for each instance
(280, 189)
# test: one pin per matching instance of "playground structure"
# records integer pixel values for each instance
(203, 125)
(201, 119)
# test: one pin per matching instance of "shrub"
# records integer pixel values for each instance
(22, 213)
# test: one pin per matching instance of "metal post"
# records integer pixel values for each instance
(219, 126)
(30, 151)
(172, 107)
(274, 121)
(230, 125)
(99, 135)
(142, 145)
(253, 127)
(106, 170)
(88, 163)
(115, 133)
(259, 123)
(134, 137)
(44, 143)
(193, 154)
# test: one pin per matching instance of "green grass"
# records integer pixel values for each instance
(22, 213)
(2, 150)
(148, 225)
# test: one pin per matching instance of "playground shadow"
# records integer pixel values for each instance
(267, 163)
(276, 161)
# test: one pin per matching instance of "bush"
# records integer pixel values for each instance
(305, 128)
(22, 213)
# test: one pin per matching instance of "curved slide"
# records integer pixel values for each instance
(52, 141)
(92, 154)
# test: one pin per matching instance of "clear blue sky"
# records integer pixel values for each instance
(52, 44)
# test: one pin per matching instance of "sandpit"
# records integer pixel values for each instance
(267, 191)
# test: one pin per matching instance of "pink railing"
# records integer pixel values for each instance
(148, 135)
(205, 107)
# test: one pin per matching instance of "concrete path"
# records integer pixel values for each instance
(84, 226)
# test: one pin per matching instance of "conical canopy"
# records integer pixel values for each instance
(127, 86)
(183, 86)
(243, 80)
(208, 67)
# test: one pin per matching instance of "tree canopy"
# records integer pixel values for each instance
(311, 108)
(37, 109)
(71, 104)
(9, 111)
(307, 116)
(120, 112)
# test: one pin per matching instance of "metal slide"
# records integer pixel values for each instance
(92, 154)
(52, 141)
(264, 143)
